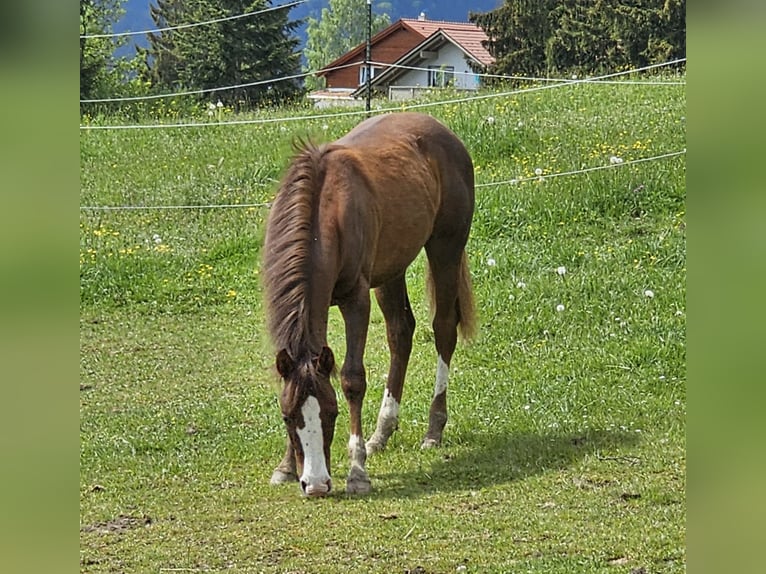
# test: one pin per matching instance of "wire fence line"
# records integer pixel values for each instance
(209, 90)
(192, 24)
(510, 182)
(537, 79)
(610, 165)
(531, 79)
(174, 207)
(384, 109)
(553, 86)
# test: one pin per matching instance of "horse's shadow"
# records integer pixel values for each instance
(481, 460)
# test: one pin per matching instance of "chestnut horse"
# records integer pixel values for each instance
(348, 217)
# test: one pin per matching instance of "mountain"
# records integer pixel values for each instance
(137, 16)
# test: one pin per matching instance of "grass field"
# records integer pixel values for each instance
(565, 448)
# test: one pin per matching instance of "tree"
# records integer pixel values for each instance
(97, 18)
(517, 33)
(234, 52)
(607, 35)
(341, 27)
(670, 43)
(583, 36)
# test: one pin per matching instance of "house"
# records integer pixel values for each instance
(408, 56)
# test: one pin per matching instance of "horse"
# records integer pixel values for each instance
(349, 217)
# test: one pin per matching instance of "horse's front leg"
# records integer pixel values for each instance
(286, 470)
(356, 315)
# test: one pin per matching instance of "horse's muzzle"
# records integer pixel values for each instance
(319, 489)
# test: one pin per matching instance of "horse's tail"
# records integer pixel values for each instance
(465, 306)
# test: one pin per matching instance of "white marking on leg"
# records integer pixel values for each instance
(389, 411)
(315, 476)
(442, 377)
(357, 453)
(358, 481)
(388, 419)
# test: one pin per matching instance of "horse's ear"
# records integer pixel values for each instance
(285, 364)
(325, 362)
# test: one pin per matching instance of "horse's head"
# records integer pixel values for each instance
(309, 409)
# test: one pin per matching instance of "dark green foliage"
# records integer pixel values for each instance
(517, 32)
(97, 71)
(583, 36)
(249, 50)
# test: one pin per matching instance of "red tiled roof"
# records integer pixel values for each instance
(427, 27)
(471, 42)
(468, 36)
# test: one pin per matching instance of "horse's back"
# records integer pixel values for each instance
(430, 134)
(450, 165)
(385, 137)
(419, 178)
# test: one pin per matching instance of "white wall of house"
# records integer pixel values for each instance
(449, 58)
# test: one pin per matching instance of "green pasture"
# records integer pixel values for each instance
(565, 447)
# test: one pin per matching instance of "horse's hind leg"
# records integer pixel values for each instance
(400, 325)
(444, 276)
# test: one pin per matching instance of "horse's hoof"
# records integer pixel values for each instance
(372, 446)
(358, 487)
(358, 482)
(429, 443)
(281, 477)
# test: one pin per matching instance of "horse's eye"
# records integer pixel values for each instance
(287, 419)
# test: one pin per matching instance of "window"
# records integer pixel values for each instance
(363, 73)
(441, 76)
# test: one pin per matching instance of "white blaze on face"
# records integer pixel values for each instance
(315, 477)
(442, 376)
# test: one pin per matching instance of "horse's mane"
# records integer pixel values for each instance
(286, 258)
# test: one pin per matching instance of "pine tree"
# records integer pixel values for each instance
(517, 33)
(247, 50)
(583, 36)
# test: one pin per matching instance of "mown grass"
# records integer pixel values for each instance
(565, 449)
